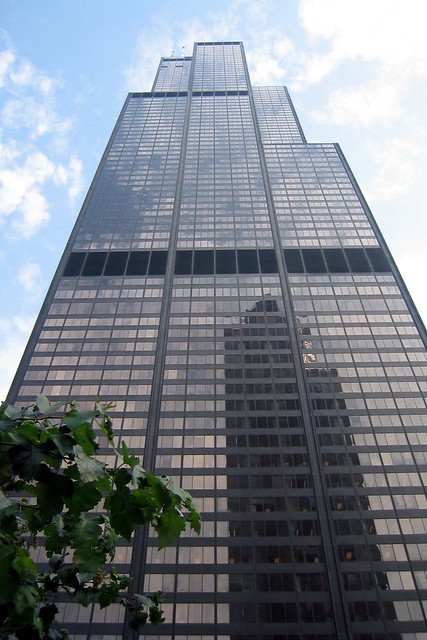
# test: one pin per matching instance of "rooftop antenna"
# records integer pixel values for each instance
(182, 52)
(172, 54)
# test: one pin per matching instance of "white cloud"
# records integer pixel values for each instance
(389, 31)
(150, 46)
(7, 58)
(23, 178)
(14, 336)
(366, 105)
(9, 152)
(372, 60)
(29, 277)
(388, 36)
(310, 69)
(270, 61)
(412, 265)
(25, 74)
(398, 162)
(70, 176)
(241, 20)
(35, 211)
(29, 166)
(266, 70)
(20, 192)
(39, 117)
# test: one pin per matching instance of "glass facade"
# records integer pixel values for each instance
(227, 286)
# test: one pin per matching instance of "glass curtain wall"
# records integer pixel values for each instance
(227, 287)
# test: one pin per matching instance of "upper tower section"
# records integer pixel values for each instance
(219, 66)
(173, 74)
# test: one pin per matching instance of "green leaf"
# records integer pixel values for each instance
(128, 458)
(64, 442)
(195, 520)
(85, 598)
(4, 501)
(77, 545)
(128, 510)
(86, 536)
(121, 507)
(185, 498)
(139, 618)
(89, 468)
(85, 437)
(88, 557)
(67, 575)
(55, 562)
(9, 579)
(74, 417)
(108, 594)
(26, 597)
(138, 473)
(87, 528)
(43, 403)
(45, 406)
(159, 490)
(56, 540)
(155, 615)
(106, 425)
(47, 614)
(110, 538)
(72, 471)
(103, 407)
(85, 497)
(13, 412)
(6, 425)
(30, 430)
(119, 579)
(23, 564)
(183, 495)
(122, 477)
(143, 599)
(169, 526)
(84, 577)
(51, 490)
(25, 459)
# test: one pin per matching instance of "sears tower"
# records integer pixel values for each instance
(228, 288)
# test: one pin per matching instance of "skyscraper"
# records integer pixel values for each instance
(227, 286)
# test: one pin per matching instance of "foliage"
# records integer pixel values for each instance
(53, 486)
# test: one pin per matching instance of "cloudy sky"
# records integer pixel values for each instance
(357, 73)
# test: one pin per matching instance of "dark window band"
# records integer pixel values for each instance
(232, 92)
(158, 94)
(226, 261)
(354, 260)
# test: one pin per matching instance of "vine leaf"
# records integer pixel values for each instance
(89, 468)
(53, 487)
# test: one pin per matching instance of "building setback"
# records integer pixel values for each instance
(227, 286)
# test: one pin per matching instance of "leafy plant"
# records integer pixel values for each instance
(53, 487)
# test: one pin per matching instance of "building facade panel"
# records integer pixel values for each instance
(223, 199)
(316, 203)
(173, 74)
(131, 202)
(276, 116)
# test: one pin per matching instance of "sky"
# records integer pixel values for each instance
(356, 71)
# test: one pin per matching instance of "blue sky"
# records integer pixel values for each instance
(357, 73)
